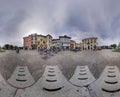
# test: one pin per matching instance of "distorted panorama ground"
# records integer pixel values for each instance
(66, 60)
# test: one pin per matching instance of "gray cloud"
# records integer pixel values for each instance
(78, 18)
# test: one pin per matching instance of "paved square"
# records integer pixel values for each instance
(66, 74)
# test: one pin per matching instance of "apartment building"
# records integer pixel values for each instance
(72, 44)
(35, 41)
(65, 42)
(90, 43)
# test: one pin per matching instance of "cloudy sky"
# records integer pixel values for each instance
(76, 18)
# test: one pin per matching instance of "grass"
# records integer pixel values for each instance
(117, 50)
(2, 51)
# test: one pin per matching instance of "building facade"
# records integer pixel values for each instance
(44, 42)
(119, 46)
(35, 41)
(65, 42)
(79, 46)
(72, 44)
(90, 43)
(28, 41)
(56, 43)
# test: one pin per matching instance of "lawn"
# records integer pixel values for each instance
(118, 50)
(1, 51)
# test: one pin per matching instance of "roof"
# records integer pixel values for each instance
(65, 36)
(44, 35)
(41, 35)
(72, 41)
(55, 39)
(49, 35)
(90, 38)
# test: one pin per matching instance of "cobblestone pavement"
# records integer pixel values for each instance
(67, 62)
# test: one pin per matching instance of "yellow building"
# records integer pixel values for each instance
(44, 42)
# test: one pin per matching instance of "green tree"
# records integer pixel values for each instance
(11, 47)
(15, 47)
(114, 46)
(6, 46)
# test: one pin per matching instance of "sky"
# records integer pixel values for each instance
(76, 18)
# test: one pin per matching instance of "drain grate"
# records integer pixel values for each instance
(51, 75)
(21, 74)
(21, 68)
(82, 70)
(111, 75)
(21, 71)
(51, 68)
(110, 91)
(111, 82)
(50, 80)
(51, 71)
(111, 71)
(111, 68)
(82, 73)
(82, 78)
(53, 90)
(21, 80)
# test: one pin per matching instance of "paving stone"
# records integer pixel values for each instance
(108, 84)
(54, 84)
(82, 76)
(5, 89)
(21, 77)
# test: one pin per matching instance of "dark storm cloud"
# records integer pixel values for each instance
(77, 18)
(12, 27)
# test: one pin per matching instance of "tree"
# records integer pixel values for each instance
(11, 47)
(114, 46)
(6, 46)
(15, 47)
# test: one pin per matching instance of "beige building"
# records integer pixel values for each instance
(90, 43)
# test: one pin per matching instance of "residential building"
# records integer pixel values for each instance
(65, 42)
(44, 41)
(56, 42)
(72, 44)
(119, 46)
(28, 41)
(90, 43)
(79, 46)
(35, 41)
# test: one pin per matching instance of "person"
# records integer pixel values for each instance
(17, 50)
